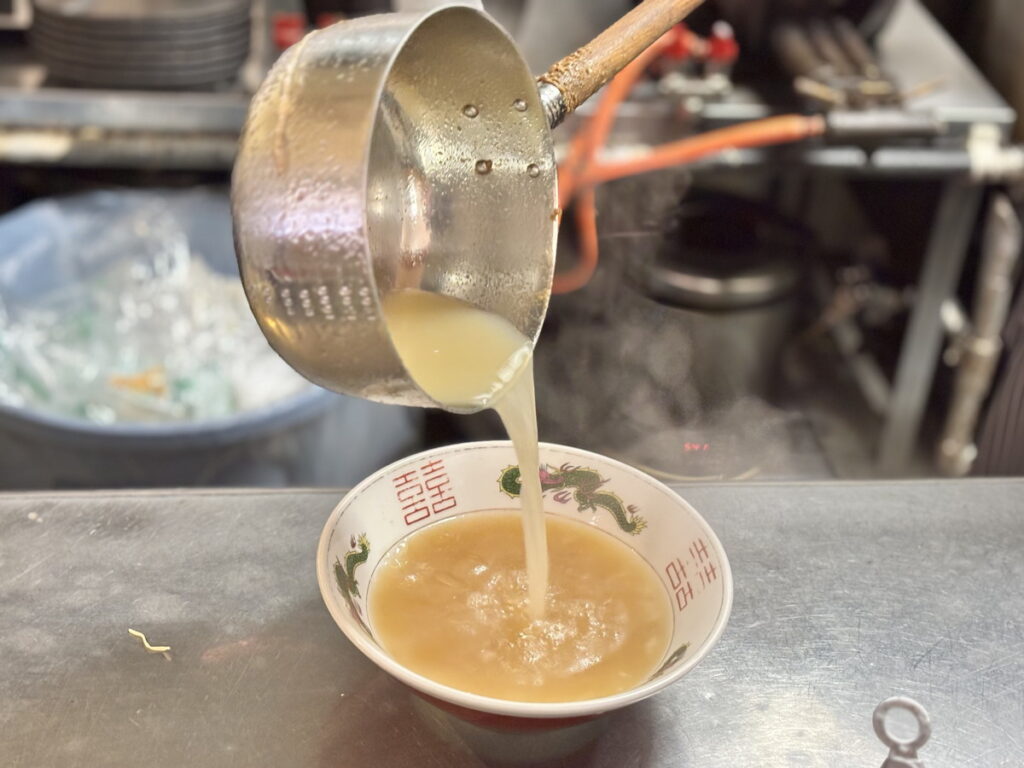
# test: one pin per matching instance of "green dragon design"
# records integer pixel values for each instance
(584, 484)
(345, 573)
(675, 656)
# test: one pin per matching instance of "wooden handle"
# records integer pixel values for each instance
(580, 74)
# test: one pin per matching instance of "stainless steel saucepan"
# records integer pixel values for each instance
(407, 150)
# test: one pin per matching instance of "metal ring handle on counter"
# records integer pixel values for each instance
(902, 754)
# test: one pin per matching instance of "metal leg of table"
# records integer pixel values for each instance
(922, 342)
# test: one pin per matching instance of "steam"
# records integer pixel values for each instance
(619, 373)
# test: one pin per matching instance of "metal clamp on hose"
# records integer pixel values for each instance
(552, 102)
(990, 159)
(881, 125)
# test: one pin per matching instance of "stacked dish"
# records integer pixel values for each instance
(142, 43)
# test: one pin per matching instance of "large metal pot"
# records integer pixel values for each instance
(728, 275)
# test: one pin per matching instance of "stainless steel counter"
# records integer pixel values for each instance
(845, 594)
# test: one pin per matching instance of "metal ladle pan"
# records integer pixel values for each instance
(407, 151)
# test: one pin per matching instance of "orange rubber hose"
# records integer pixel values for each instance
(758, 133)
(585, 213)
(589, 139)
(772, 130)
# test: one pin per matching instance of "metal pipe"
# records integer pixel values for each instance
(919, 353)
(982, 344)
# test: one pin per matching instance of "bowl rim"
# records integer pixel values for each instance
(488, 704)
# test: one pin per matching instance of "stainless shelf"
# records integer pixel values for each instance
(43, 124)
(913, 48)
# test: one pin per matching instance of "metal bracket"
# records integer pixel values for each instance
(902, 754)
(991, 160)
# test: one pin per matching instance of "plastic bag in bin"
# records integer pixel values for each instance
(125, 306)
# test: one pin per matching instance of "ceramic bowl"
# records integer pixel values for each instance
(463, 479)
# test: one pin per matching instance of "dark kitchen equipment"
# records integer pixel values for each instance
(753, 19)
(728, 272)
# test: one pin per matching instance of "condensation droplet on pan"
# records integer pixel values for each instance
(520, 105)
(470, 111)
(483, 167)
(533, 169)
